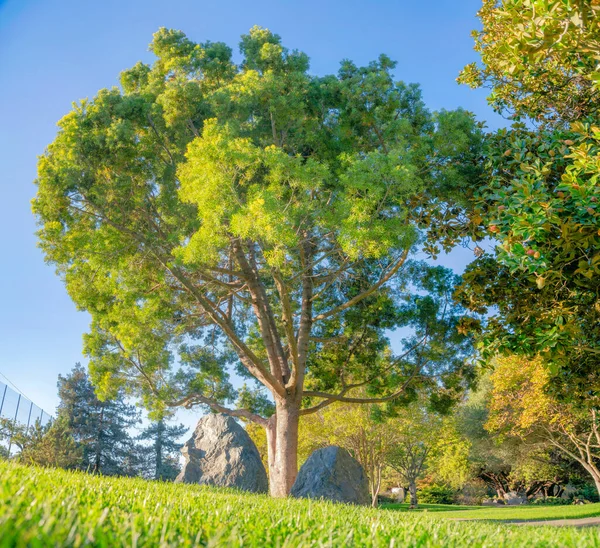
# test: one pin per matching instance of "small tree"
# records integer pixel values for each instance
(52, 445)
(417, 436)
(507, 463)
(165, 445)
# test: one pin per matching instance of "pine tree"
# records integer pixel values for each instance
(163, 462)
(99, 427)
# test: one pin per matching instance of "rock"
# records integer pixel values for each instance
(221, 453)
(569, 492)
(512, 498)
(492, 502)
(399, 493)
(333, 474)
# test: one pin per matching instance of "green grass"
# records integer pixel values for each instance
(533, 512)
(42, 507)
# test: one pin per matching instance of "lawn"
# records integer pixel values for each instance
(43, 507)
(532, 512)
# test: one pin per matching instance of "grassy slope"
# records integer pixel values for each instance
(41, 507)
(532, 512)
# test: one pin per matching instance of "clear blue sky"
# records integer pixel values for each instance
(54, 52)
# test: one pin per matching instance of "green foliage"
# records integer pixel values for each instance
(437, 494)
(589, 492)
(52, 446)
(55, 507)
(551, 501)
(539, 58)
(540, 202)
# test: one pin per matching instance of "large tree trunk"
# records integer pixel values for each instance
(282, 444)
(412, 487)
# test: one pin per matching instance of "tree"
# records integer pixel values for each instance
(521, 406)
(51, 445)
(507, 463)
(541, 201)
(99, 427)
(48, 445)
(213, 215)
(417, 437)
(164, 463)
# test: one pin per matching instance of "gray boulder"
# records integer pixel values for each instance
(221, 453)
(332, 474)
(512, 498)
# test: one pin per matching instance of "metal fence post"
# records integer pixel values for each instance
(3, 396)
(29, 417)
(14, 424)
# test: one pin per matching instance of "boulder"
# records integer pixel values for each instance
(333, 474)
(221, 453)
(569, 492)
(399, 493)
(492, 502)
(512, 498)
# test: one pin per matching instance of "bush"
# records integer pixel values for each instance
(588, 492)
(550, 501)
(473, 493)
(437, 494)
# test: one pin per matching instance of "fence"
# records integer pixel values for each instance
(20, 411)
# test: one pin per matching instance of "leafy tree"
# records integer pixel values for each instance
(211, 215)
(100, 427)
(48, 445)
(541, 202)
(164, 462)
(521, 406)
(52, 445)
(418, 433)
(507, 463)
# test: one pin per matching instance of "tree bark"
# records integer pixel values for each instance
(376, 487)
(282, 445)
(412, 487)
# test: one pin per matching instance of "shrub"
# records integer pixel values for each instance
(550, 501)
(437, 494)
(588, 492)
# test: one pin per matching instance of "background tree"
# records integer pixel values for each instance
(417, 436)
(212, 215)
(541, 202)
(100, 428)
(521, 406)
(52, 445)
(507, 463)
(162, 462)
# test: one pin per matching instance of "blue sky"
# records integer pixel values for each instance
(54, 52)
